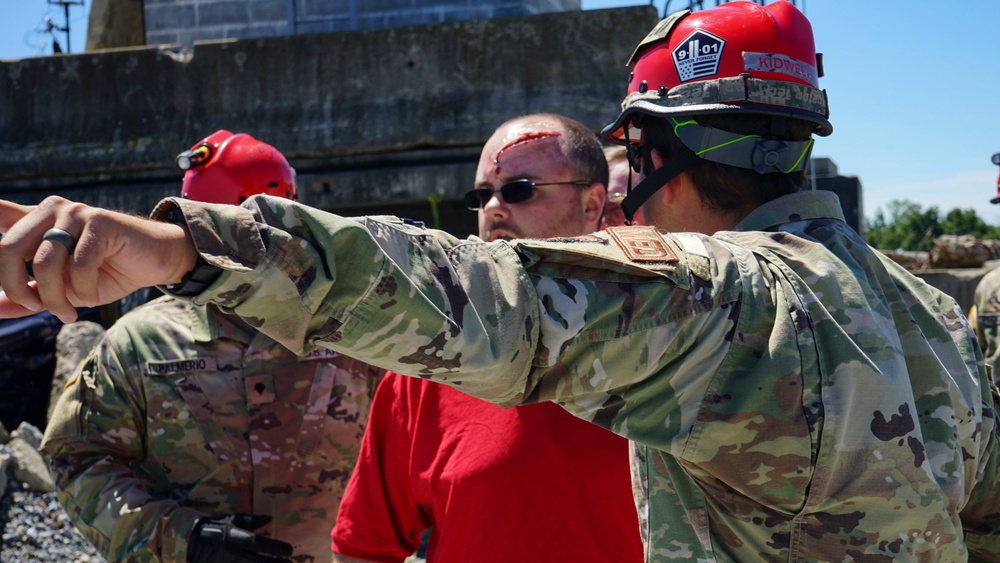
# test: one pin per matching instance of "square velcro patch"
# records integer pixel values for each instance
(643, 244)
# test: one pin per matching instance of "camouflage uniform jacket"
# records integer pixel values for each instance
(182, 412)
(985, 317)
(791, 394)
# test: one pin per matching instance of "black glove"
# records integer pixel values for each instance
(227, 539)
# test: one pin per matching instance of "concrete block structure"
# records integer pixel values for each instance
(374, 121)
(183, 22)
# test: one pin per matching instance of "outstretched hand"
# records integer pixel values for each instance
(114, 254)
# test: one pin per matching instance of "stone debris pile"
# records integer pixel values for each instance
(33, 525)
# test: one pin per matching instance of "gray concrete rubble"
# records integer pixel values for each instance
(33, 525)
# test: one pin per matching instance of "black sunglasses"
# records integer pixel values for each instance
(635, 154)
(512, 192)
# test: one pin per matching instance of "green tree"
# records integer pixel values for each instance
(966, 222)
(907, 226)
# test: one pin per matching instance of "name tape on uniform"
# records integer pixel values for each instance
(319, 354)
(175, 367)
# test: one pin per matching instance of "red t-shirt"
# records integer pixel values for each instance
(531, 483)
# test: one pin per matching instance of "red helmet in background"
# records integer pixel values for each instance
(995, 159)
(228, 168)
(739, 57)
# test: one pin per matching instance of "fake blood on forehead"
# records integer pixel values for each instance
(520, 141)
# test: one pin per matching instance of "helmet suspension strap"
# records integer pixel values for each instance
(650, 184)
(634, 198)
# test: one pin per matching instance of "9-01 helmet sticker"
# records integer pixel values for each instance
(698, 56)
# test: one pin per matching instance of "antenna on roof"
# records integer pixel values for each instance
(52, 26)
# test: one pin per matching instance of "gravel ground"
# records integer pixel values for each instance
(36, 530)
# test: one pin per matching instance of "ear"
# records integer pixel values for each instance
(667, 192)
(592, 200)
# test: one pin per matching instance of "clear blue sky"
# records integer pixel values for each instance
(23, 27)
(914, 89)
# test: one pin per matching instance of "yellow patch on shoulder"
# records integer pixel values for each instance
(76, 374)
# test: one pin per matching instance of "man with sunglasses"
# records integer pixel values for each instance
(530, 483)
(790, 394)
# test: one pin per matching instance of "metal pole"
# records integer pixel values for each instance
(66, 13)
(293, 18)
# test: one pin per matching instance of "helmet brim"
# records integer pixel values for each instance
(614, 132)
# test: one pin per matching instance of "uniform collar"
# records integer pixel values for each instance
(792, 208)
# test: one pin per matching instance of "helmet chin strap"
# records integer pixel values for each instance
(650, 184)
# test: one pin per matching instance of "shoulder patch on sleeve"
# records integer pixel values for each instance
(643, 244)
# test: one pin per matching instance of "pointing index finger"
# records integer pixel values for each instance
(22, 227)
(13, 275)
(11, 213)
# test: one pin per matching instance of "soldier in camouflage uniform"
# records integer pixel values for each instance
(985, 317)
(184, 412)
(985, 313)
(790, 393)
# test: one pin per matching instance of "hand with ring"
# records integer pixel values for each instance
(83, 256)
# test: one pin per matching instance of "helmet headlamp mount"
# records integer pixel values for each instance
(195, 157)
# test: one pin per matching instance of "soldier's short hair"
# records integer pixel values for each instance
(727, 188)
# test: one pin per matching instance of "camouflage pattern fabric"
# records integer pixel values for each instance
(985, 317)
(182, 412)
(791, 394)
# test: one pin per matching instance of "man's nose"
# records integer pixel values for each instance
(496, 205)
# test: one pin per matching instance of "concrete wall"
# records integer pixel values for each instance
(960, 283)
(185, 21)
(372, 120)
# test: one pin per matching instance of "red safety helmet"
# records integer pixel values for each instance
(228, 168)
(739, 57)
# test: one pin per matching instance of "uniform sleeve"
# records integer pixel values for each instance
(382, 291)
(491, 319)
(380, 519)
(510, 323)
(92, 442)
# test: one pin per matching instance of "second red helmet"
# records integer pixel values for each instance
(229, 168)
